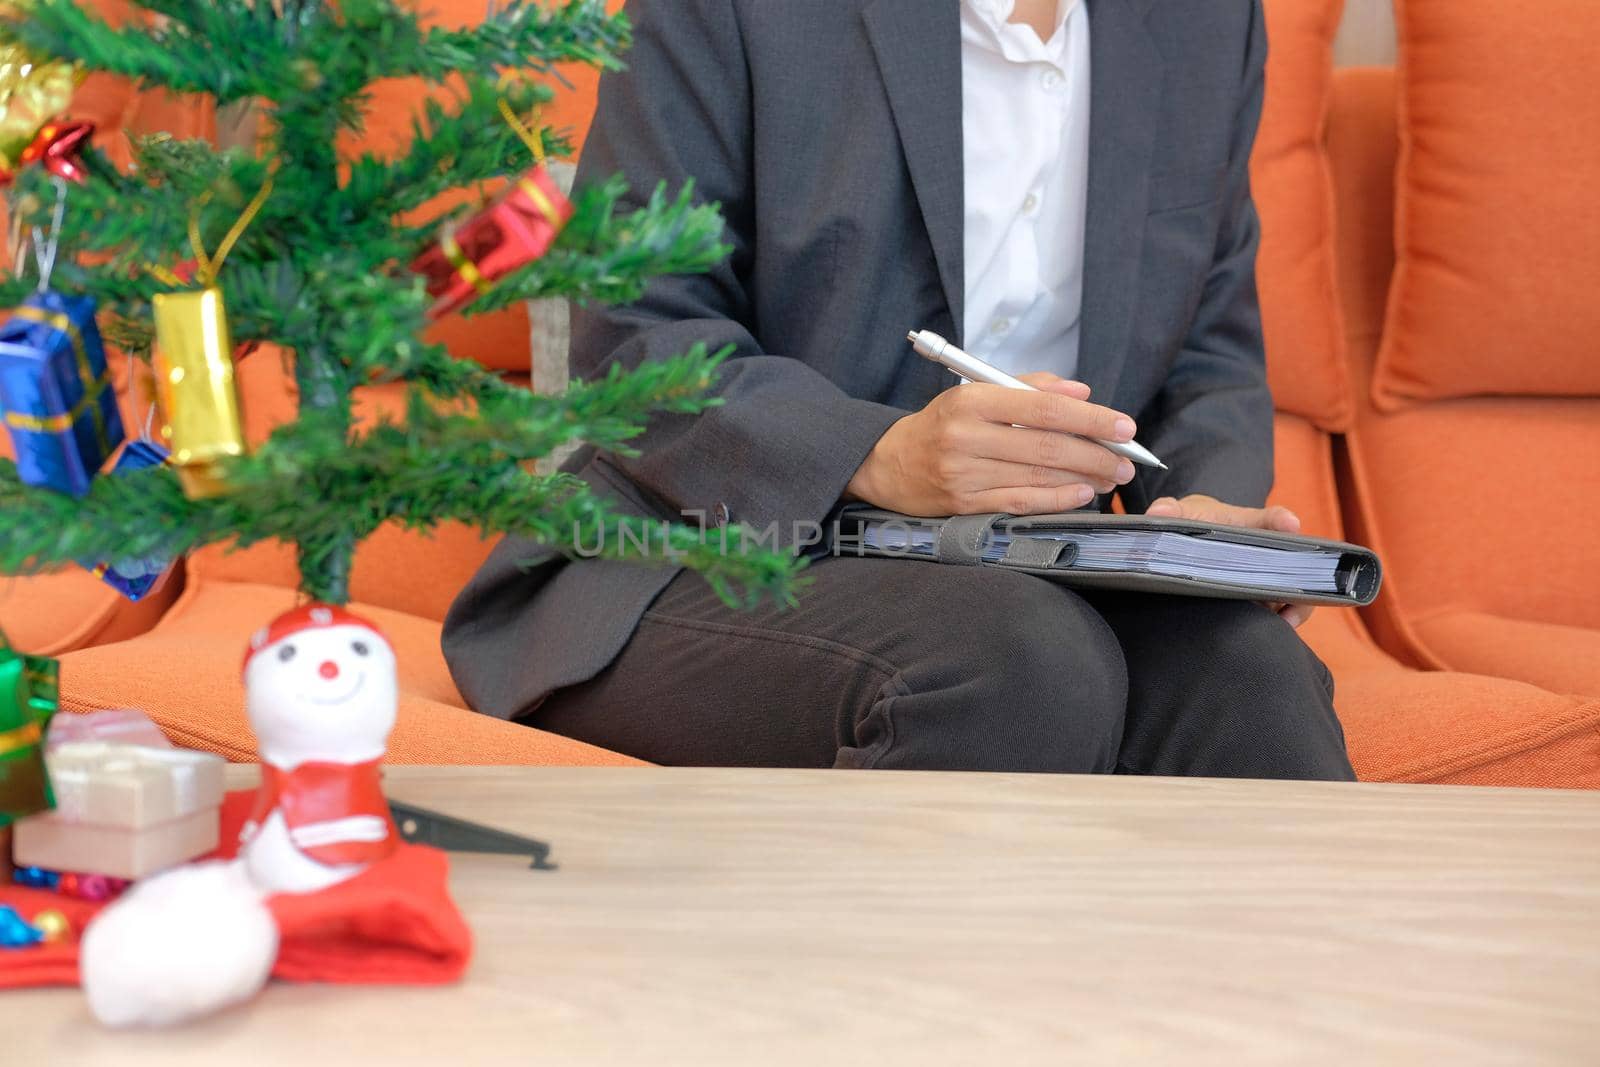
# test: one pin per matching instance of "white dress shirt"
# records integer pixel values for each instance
(1025, 126)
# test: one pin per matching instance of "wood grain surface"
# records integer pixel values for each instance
(796, 917)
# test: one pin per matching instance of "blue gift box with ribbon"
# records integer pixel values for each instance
(56, 393)
(135, 577)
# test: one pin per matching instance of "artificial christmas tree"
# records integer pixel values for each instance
(197, 258)
(196, 251)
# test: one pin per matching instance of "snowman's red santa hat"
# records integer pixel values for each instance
(307, 617)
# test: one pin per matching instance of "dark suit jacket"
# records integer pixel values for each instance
(830, 131)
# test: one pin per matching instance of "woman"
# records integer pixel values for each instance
(1062, 188)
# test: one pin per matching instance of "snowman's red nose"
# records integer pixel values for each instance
(329, 669)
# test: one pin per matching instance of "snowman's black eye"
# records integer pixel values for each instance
(360, 647)
(286, 653)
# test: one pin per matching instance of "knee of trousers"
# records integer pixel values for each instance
(1245, 640)
(1252, 653)
(1028, 674)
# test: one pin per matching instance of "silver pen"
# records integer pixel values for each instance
(930, 345)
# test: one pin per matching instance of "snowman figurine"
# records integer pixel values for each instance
(320, 689)
(321, 694)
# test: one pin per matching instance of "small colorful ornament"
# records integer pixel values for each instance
(56, 392)
(321, 693)
(29, 691)
(58, 147)
(36, 878)
(195, 382)
(136, 577)
(96, 887)
(511, 233)
(15, 931)
(53, 925)
(32, 94)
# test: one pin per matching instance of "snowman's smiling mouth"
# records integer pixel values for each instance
(361, 679)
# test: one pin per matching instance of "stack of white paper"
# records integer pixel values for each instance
(1171, 555)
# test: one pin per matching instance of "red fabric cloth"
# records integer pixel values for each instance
(315, 793)
(392, 924)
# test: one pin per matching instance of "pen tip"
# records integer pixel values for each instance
(1162, 465)
(911, 335)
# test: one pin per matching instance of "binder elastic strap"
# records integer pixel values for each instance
(961, 539)
(1039, 553)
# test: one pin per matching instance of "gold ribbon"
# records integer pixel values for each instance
(25, 736)
(532, 191)
(467, 269)
(529, 137)
(93, 385)
(208, 266)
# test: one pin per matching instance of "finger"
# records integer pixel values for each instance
(1165, 507)
(1280, 519)
(1054, 383)
(1047, 411)
(1296, 615)
(1020, 501)
(1043, 448)
(995, 474)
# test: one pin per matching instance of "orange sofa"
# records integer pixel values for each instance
(1325, 154)
(1470, 268)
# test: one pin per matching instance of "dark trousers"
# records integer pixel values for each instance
(910, 665)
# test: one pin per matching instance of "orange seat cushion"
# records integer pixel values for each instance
(1408, 725)
(1487, 506)
(1564, 659)
(186, 675)
(1498, 225)
(1295, 267)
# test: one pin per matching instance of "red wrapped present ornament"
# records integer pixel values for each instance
(58, 147)
(511, 233)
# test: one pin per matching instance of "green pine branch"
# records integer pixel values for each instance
(450, 148)
(521, 35)
(180, 55)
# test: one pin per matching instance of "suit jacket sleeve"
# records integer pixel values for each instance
(785, 441)
(1212, 420)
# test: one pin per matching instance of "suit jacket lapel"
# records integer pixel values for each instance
(918, 46)
(1125, 96)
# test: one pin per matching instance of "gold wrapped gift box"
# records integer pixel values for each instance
(123, 810)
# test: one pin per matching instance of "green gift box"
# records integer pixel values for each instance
(29, 693)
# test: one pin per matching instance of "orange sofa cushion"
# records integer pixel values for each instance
(1498, 225)
(1407, 725)
(1295, 267)
(186, 675)
(1480, 576)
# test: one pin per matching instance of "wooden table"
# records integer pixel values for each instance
(766, 918)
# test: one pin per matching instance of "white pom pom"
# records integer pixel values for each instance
(178, 945)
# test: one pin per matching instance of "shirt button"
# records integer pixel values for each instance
(720, 515)
(1000, 327)
(1051, 80)
(1030, 204)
